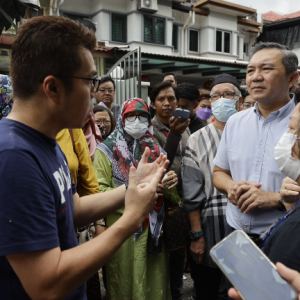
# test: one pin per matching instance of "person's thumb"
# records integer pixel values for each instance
(157, 177)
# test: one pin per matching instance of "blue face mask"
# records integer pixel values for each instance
(223, 108)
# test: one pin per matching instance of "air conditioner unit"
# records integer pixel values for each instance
(147, 5)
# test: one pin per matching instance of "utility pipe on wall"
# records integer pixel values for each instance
(186, 32)
(183, 35)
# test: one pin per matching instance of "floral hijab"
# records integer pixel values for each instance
(122, 150)
(6, 95)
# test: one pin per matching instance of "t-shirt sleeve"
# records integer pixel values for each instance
(221, 158)
(27, 207)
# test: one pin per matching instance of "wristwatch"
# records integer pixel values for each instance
(195, 234)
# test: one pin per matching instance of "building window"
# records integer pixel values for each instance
(223, 40)
(246, 49)
(238, 46)
(119, 28)
(175, 37)
(154, 30)
(194, 41)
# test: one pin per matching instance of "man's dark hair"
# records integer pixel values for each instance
(204, 94)
(188, 91)
(289, 58)
(47, 45)
(169, 74)
(107, 78)
(161, 86)
(244, 93)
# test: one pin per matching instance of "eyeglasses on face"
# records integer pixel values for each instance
(95, 81)
(143, 119)
(226, 94)
(105, 122)
(110, 91)
(248, 105)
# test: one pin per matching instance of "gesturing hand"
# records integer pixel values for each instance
(145, 170)
(140, 198)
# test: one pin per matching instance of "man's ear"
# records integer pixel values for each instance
(293, 78)
(53, 88)
(240, 101)
(196, 104)
(153, 104)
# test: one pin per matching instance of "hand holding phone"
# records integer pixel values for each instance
(249, 270)
(184, 114)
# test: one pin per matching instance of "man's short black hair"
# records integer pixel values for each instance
(107, 78)
(188, 91)
(161, 86)
(169, 74)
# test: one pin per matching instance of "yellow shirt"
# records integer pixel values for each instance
(80, 163)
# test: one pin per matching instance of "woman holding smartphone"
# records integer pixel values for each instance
(281, 243)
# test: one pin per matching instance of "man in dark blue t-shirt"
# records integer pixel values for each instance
(54, 80)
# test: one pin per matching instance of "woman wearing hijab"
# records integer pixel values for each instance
(133, 273)
(92, 134)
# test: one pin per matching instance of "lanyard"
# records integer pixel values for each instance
(267, 234)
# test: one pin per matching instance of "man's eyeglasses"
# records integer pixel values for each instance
(226, 94)
(143, 119)
(110, 91)
(95, 80)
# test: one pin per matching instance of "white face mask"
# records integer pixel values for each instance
(136, 128)
(287, 164)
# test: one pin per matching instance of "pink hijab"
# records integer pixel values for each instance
(92, 134)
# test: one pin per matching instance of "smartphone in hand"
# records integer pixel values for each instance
(249, 270)
(183, 113)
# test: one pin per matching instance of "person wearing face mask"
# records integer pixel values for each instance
(133, 273)
(200, 197)
(245, 169)
(281, 242)
(188, 100)
(203, 110)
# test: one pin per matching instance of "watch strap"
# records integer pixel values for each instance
(196, 234)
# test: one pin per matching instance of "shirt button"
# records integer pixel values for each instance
(266, 124)
(262, 143)
(245, 226)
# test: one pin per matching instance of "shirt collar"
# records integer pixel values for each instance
(160, 125)
(281, 113)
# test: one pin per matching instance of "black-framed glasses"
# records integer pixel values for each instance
(143, 119)
(226, 94)
(110, 91)
(95, 80)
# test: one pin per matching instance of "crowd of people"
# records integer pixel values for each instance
(86, 187)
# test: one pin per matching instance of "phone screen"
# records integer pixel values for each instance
(249, 270)
(183, 113)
